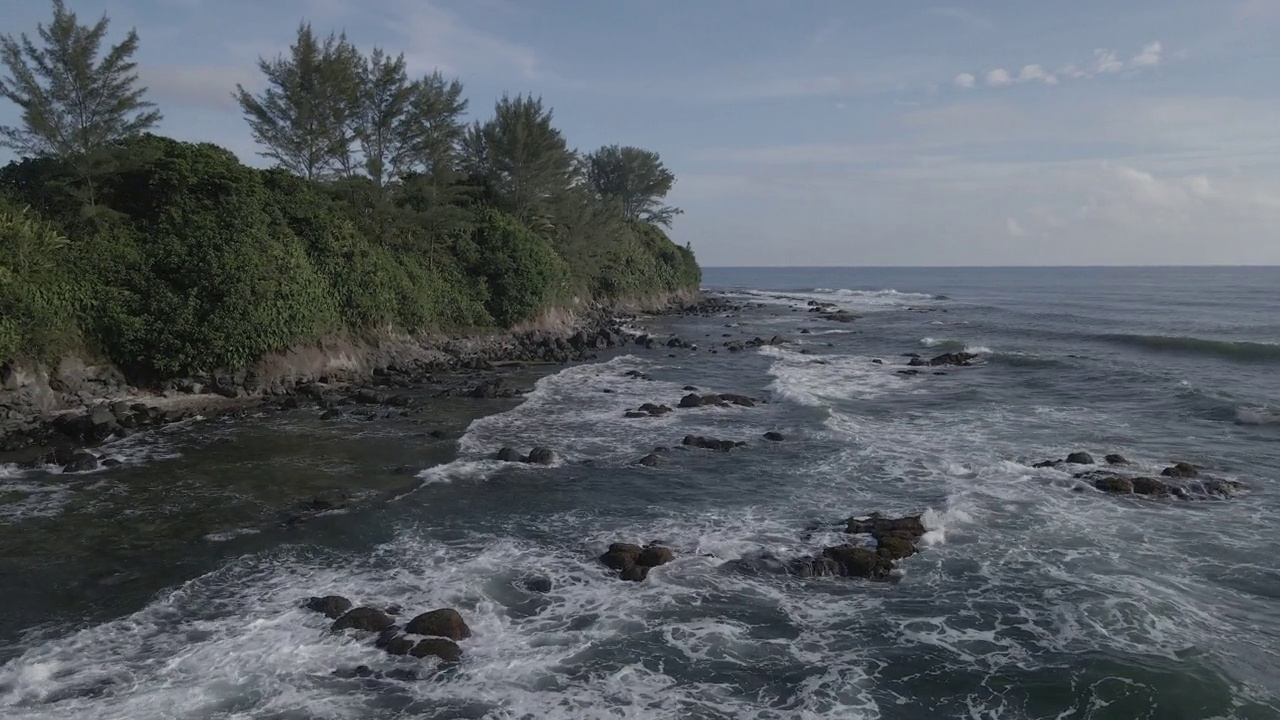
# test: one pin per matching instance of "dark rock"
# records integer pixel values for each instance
(958, 359)
(878, 526)
(1149, 486)
(918, 362)
(650, 460)
(1080, 458)
(507, 454)
(635, 414)
(363, 618)
(690, 388)
(332, 606)
(740, 400)
(1047, 464)
(654, 410)
(774, 436)
(81, 462)
(541, 456)
(1181, 470)
(895, 546)
(855, 561)
(445, 622)
(909, 372)
(710, 443)
(1114, 459)
(655, 555)
(877, 361)
(446, 650)
(331, 414)
(634, 573)
(536, 584)
(1114, 484)
(621, 556)
(691, 400)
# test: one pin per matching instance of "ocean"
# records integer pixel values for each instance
(1033, 596)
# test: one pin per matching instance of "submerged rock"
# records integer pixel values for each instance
(1114, 459)
(774, 436)
(507, 454)
(710, 443)
(1080, 458)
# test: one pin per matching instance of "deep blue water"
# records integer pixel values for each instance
(1036, 597)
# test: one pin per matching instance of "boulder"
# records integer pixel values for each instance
(895, 546)
(332, 606)
(446, 650)
(878, 526)
(774, 436)
(363, 618)
(1114, 484)
(81, 462)
(507, 454)
(692, 400)
(855, 561)
(655, 555)
(958, 359)
(1181, 470)
(621, 556)
(634, 573)
(1149, 486)
(1114, 459)
(650, 460)
(1080, 458)
(394, 642)
(445, 622)
(541, 456)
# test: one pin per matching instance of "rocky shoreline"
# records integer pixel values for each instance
(58, 418)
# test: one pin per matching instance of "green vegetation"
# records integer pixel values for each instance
(385, 211)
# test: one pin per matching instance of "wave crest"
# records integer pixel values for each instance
(1239, 351)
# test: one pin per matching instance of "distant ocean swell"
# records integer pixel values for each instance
(1240, 351)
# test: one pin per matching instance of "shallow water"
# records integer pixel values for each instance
(1029, 601)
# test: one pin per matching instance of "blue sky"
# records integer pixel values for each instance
(832, 132)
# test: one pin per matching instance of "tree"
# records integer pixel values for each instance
(520, 157)
(381, 129)
(305, 116)
(635, 179)
(75, 107)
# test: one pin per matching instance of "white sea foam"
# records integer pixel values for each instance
(816, 380)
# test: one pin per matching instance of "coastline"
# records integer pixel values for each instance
(47, 407)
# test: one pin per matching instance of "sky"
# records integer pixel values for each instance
(830, 132)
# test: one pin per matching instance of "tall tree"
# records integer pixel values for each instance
(521, 158)
(433, 127)
(75, 106)
(634, 179)
(385, 99)
(304, 117)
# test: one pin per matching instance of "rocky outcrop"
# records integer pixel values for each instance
(536, 456)
(331, 606)
(955, 359)
(633, 562)
(435, 633)
(710, 443)
(895, 539)
(1177, 486)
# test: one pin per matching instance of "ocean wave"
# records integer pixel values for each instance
(1237, 350)
(883, 293)
(1256, 416)
(815, 381)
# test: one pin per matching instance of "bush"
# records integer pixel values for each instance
(521, 271)
(38, 302)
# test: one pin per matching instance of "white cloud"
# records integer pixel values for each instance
(1035, 73)
(999, 78)
(439, 39)
(1014, 229)
(1106, 61)
(1149, 57)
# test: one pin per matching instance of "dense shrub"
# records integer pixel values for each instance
(521, 271)
(191, 261)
